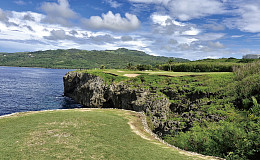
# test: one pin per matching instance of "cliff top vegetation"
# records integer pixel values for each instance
(217, 113)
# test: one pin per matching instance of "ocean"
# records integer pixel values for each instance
(32, 89)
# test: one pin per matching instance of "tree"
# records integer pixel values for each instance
(170, 63)
(102, 67)
(129, 65)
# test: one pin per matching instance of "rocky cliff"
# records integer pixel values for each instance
(92, 91)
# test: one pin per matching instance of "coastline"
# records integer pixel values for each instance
(40, 67)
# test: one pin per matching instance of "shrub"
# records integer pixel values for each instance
(200, 67)
(246, 70)
(142, 67)
(255, 110)
(223, 139)
(247, 84)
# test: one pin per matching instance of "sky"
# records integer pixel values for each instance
(192, 29)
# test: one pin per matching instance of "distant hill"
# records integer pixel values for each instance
(74, 58)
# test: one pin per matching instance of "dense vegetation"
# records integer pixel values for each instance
(218, 113)
(74, 58)
(120, 58)
(205, 65)
(200, 67)
(79, 134)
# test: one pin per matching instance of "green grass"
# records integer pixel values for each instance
(203, 82)
(151, 78)
(79, 134)
(163, 73)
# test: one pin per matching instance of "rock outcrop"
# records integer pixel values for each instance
(92, 91)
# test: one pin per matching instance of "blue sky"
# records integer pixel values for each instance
(193, 29)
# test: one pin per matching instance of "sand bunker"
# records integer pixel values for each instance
(131, 75)
(120, 71)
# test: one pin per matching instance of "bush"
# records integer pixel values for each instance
(144, 67)
(247, 84)
(246, 70)
(255, 110)
(223, 139)
(200, 67)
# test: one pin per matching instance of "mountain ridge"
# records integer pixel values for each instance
(76, 59)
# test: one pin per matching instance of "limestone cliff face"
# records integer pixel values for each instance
(164, 117)
(92, 91)
(86, 89)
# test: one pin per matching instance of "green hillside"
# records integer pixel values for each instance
(74, 58)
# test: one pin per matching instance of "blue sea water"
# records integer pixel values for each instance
(32, 89)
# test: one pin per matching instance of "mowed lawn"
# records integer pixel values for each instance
(81, 134)
(163, 73)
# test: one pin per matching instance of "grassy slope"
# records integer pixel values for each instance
(74, 58)
(78, 134)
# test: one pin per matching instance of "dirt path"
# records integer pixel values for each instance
(147, 134)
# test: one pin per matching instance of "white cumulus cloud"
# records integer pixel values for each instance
(126, 38)
(3, 16)
(20, 2)
(113, 4)
(248, 19)
(113, 22)
(189, 9)
(58, 35)
(151, 1)
(216, 44)
(164, 20)
(58, 13)
(191, 32)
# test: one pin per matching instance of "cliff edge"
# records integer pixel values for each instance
(194, 112)
(92, 91)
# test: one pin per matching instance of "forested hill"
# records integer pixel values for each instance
(74, 58)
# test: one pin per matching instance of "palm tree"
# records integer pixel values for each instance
(102, 67)
(170, 63)
(129, 65)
